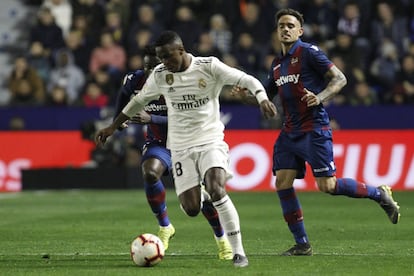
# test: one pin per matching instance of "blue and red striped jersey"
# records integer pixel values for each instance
(132, 85)
(304, 66)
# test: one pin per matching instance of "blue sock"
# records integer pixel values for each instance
(156, 200)
(353, 188)
(210, 213)
(292, 213)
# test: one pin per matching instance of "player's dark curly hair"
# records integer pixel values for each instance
(292, 12)
(149, 50)
(168, 37)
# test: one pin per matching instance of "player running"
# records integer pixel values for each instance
(156, 158)
(191, 87)
(303, 77)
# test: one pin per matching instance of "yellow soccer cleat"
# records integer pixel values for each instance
(165, 234)
(300, 249)
(224, 249)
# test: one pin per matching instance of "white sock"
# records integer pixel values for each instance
(229, 219)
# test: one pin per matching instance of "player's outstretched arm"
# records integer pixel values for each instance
(243, 94)
(103, 134)
(268, 109)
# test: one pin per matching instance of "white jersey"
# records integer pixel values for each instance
(192, 99)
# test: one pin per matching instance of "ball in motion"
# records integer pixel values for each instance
(147, 250)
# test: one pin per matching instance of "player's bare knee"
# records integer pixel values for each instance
(191, 211)
(281, 185)
(216, 193)
(150, 176)
(326, 185)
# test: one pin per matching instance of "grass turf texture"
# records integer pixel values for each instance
(89, 233)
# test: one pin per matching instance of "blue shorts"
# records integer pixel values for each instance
(155, 150)
(315, 147)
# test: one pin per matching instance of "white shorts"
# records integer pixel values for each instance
(191, 165)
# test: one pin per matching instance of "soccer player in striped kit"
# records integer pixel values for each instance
(156, 158)
(303, 78)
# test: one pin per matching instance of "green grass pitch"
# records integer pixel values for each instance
(82, 232)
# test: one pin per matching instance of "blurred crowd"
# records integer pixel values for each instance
(79, 50)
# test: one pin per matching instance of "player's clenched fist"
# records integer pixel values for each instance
(102, 135)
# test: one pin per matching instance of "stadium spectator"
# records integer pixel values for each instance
(306, 136)
(108, 54)
(57, 97)
(113, 25)
(353, 75)
(363, 95)
(66, 75)
(411, 49)
(253, 23)
(144, 19)
(80, 48)
(134, 62)
(39, 59)
(91, 13)
(17, 123)
(345, 47)
(273, 49)
(410, 12)
(103, 79)
(47, 32)
(248, 54)
(403, 92)
(187, 27)
(362, 20)
(93, 96)
(356, 23)
(385, 68)
(25, 85)
(122, 8)
(387, 27)
(62, 12)
(138, 40)
(205, 46)
(321, 19)
(221, 35)
(164, 11)
(229, 9)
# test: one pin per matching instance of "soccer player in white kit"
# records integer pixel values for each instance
(191, 87)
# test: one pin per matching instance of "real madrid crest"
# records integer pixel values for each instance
(202, 83)
(169, 79)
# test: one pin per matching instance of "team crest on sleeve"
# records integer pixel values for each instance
(126, 77)
(202, 83)
(315, 47)
(169, 79)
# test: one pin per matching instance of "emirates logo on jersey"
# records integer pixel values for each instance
(169, 79)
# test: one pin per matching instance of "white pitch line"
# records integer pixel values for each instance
(204, 254)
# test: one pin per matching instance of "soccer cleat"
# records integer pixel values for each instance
(389, 205)
(240, 261)
(224, 249)
(165, 234)
(300, 249)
